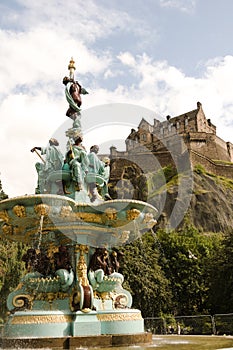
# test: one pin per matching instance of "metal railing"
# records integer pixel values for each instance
(218, 324)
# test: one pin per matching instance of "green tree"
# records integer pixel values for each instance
(185, 258)
(11, 269)
(144, 276)
(221, 277)
(11, 266)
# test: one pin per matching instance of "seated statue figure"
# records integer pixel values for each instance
(101, 274)
(53, 161)
(77, 160)
(104, 278)
(63, 268)
(95, 169)
(106, 174)
(59, 277)
(42, 276)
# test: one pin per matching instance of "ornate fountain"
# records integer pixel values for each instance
(72, 292)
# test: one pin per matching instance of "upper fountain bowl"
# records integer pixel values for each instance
(61, 220)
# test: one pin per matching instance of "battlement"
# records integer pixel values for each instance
(170, 139)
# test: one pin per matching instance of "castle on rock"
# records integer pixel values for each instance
(190, 134)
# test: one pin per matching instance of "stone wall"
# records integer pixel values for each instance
(153, 161)
(209, 145)
(147, 161)
(155, 146)
(219, 169)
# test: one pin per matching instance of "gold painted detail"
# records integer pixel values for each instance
(7, 229)
(105, 296)
(71, 64)
(129, 316)
(82, 266)
(39, 319)
(82, 248)
(86, 310)
(19, 211)
(50, 297)
(23, 300)
(42, 209)
(45, 280)
(111, 213)
(4, 216)
(132, 214)
(51, 250)
(89, 217)
(19, 286)
(17, 230)
(66, 211)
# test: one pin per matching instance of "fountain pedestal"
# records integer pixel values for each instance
(72, 304)
(71, 295)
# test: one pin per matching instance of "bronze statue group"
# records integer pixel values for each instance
(78, 170)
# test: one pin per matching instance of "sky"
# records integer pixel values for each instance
(152, 57)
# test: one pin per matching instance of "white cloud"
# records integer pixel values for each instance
(167, 90)
(83, 21)
(127, 58)
(220, 71)
(41, 55)
(187, 6)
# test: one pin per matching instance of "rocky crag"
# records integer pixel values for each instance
(207, 203)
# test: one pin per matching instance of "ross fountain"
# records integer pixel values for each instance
(72, 292)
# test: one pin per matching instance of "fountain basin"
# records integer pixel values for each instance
(110, 223)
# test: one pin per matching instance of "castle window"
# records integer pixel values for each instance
(186, 122)
(161, 131)
(143, 137)
(177, 125)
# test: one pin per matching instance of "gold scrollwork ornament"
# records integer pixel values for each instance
(111, 213)
(66, 211)
(42, 209)
(19, 211)
(132, 214)
(7, 229)
(23, 301)
(4, 216)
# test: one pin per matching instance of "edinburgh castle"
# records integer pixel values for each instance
(188, 136)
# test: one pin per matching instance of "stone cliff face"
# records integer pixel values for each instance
(211, 206)
(207, 204)
(211, 203)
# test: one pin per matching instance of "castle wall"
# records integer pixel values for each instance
(225, 170)
(153, 146)
(222, 150)
(147, 161)
(203, 124)
(210, 146)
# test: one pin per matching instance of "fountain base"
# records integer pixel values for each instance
(56, 329)
(77, 342)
